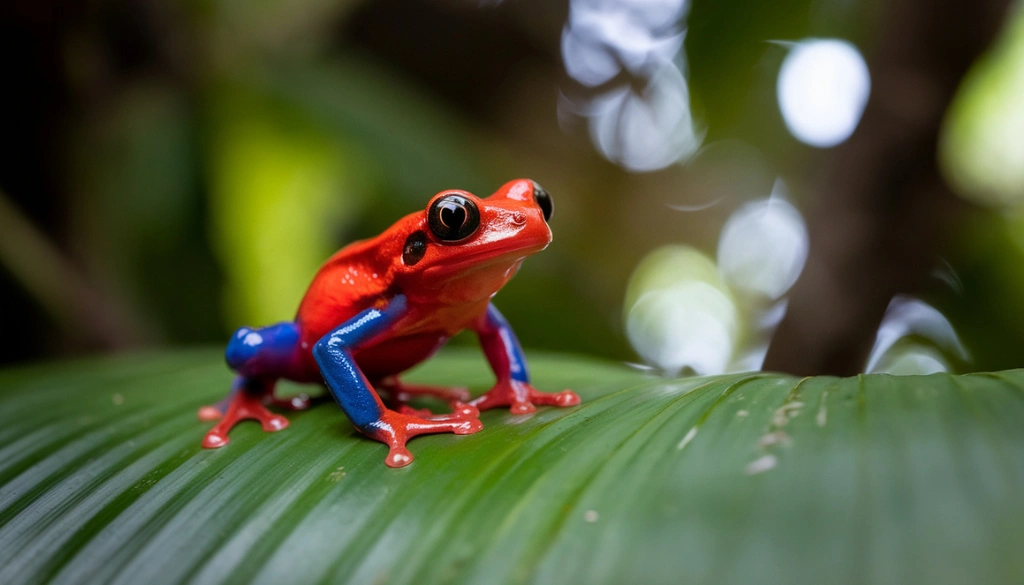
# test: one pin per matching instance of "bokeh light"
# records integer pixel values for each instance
(626, 55)
(914, 359)
(679, 314)
(763, 247)
(983, 142)
(650, 130)
(906, 318)
(822, 89)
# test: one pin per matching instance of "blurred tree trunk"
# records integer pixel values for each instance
(882, 208)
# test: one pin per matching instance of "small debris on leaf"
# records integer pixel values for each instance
(762, 464)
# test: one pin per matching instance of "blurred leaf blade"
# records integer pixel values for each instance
(731, 479)
(280, 189)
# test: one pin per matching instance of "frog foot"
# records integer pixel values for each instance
(216, 411)
(401, 392)
(522, 398)
(243, 406)
(394, 429)
(459, 410)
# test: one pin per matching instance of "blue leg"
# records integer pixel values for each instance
(260, 356)
(270, 352)
(265, 351)
(506, 358)
(348, 385)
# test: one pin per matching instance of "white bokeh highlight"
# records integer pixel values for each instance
(691, 325)
(763, 247)
(822, 89)
(907, 316)
(916, 361)
(650, 130)
(627, 53)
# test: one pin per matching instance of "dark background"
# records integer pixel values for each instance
(175, 170)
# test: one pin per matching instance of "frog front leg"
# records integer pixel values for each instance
(506, 357)
(362, 405)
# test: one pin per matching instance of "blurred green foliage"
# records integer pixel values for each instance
(278, 196)
(982, 148)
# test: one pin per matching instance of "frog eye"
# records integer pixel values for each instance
(453, 218)
(543, 201)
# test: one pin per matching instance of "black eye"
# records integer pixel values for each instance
(415, 248)
(543, 200)
(453, 218)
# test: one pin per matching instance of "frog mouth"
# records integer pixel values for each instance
(488, 257)
(497, 256)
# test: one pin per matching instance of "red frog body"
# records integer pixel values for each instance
(381, 306)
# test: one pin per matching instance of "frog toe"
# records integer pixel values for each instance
(522, 408)
(274, 423)
(468, 426)
(398, 457)
(563, 399)
(207, 413)
(215, 439)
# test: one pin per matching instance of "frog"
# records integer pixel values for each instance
(380, 306)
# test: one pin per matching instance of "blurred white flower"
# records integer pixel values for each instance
(630, 33)
(648, 131)
(639, 42)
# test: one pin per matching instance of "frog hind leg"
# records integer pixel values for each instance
(246, 402)
(260, 357)
(400, 393)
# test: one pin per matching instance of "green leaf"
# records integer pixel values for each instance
(753, 478)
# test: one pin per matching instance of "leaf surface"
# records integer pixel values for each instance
(753, 478)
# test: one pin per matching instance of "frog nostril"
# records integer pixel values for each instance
(519, 218)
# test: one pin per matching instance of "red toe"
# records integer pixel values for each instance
(468, 427)
(398, 457)
(209, 413)
(213, 440)
(567, 398)
(274, 423)
(522, 408)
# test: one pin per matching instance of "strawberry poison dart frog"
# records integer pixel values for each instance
(380, 306)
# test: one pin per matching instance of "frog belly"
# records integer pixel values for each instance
(396, 355)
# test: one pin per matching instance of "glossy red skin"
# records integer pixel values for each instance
(447, 291)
